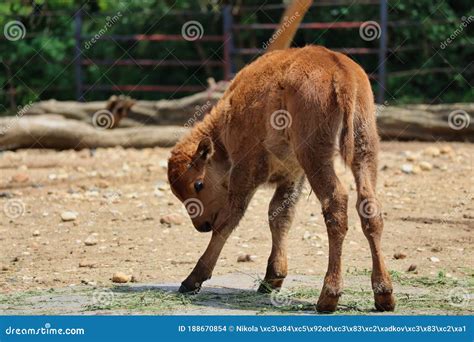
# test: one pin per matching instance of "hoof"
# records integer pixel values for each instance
(384, 302)
(267, 286)
(327, 304)
(189, 289)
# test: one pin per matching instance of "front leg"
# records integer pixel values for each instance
(280, 216)
(206, 263)
(239, 196)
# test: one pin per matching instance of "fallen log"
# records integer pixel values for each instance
(449, 122)
(55, 132)
(162, 112)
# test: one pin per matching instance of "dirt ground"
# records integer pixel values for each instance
(116, 199)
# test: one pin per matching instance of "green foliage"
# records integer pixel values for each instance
(41, 65)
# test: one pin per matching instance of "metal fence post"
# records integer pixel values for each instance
(227, 22)
(78, 54)
(382, 73)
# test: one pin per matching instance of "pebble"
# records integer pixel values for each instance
(20, 178)
(36, 233)
(446, 150)
(69, 215)
(407, 168)
(399, 255)
(432, 151)
(161, 185)
(120, 278)
(171, 219)
(87, 264)
(425, 166)
(411, 268)
(91, 240)
(245, 258)
(163, 164)
(434, 259)
(416, 170)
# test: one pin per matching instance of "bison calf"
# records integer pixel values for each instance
(283, 118)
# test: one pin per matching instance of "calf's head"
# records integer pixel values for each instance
(197, 176)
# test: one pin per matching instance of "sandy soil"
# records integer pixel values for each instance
(121, 195)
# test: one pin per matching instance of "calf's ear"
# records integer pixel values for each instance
(205, 149)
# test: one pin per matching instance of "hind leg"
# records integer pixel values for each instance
(364, 168)
(280, 216)
(333, 197)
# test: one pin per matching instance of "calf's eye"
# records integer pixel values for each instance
(198, 185)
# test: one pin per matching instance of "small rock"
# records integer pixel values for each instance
(425, 166)
(133, 279)
(432, 151)
(319, 253)
(434, 259)
(36, 233)
(91, 240)
(162, 186)
(399, 255)
(411, 268)
(20, 178)
(245, 258)
(436, 249)
(306, 235)
(5, 268)
(69, 215)
(120, 278)
(407, 168)
(5, 194)
(87, 264)
(163, 164)
(416, 170)
(409, 156)
(446, 150)
(103, 184)
(171, 219)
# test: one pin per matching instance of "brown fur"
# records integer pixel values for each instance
(237, 148)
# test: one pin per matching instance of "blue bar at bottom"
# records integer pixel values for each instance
(236, 328)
